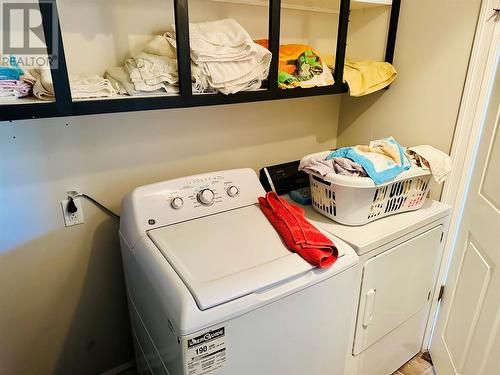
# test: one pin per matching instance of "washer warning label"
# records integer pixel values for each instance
(206, 352)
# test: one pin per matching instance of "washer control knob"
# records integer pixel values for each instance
(177, 203)
(232, 191)
(206, 197)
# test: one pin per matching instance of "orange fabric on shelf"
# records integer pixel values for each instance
(288, 53)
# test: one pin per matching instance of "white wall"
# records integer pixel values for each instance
(62, 301)
(432, 52)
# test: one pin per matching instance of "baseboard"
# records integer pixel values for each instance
(120, 369)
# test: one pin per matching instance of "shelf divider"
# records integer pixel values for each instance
(393, 29)
(341, 43)
(274, 42)
(183, 48)
(58, 68)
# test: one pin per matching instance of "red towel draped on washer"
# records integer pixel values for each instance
(298, 234)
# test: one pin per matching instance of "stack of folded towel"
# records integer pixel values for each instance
(300, 66)
(382, 160)
(152, 71)
(12, 85)
(297, 233)
(225, 57)
(81, 87)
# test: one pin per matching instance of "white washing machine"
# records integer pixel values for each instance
(399, 260)
(212, 288)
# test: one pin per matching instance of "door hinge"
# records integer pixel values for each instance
(442, 235)
(441, 292)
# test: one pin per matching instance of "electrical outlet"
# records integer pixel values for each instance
(74, 218)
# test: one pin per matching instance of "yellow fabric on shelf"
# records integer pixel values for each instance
(365, 77)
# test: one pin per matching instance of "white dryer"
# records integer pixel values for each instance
(399, 260)
(212, 288)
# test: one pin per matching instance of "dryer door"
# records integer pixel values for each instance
(396, 286)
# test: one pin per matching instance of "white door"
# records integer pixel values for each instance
(467, 335)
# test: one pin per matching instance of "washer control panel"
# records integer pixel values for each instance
(201, 192)
(187, 198)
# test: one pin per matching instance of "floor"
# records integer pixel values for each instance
(416, 366)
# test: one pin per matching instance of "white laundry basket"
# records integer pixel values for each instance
(357, 200)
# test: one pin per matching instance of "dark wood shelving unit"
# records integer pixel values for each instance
(65, 106)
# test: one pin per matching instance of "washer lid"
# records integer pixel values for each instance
(228, 255)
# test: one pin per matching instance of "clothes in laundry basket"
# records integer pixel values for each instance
(343, 166)
(298, 234)
(383, 159)
(428, 157)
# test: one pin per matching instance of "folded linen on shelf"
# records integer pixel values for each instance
(13, 89)
(430, 158)
(200, 80)
(160, 46)
(365, 77)
(91, 87)
(298, 234)
(81, 87)
(343, 166)
(150, 72)
(43, 88)
(300, 66)
(222, 40)
(11, 73)
(120, 80)
(383, 159)
(225, 57)
(233, 76)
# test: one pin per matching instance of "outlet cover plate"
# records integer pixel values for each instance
(71, 219)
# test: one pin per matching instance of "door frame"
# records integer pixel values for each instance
(465, 143)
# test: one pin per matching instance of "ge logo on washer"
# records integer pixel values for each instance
(206, 352)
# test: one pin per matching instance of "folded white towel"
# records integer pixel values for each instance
(120, 80)
(428, 157)
(150, 72)
(91, 87)
(220, 40)
(225, 57)
(256, 66)
(81, 87)
(160, 46)
(231, 77)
